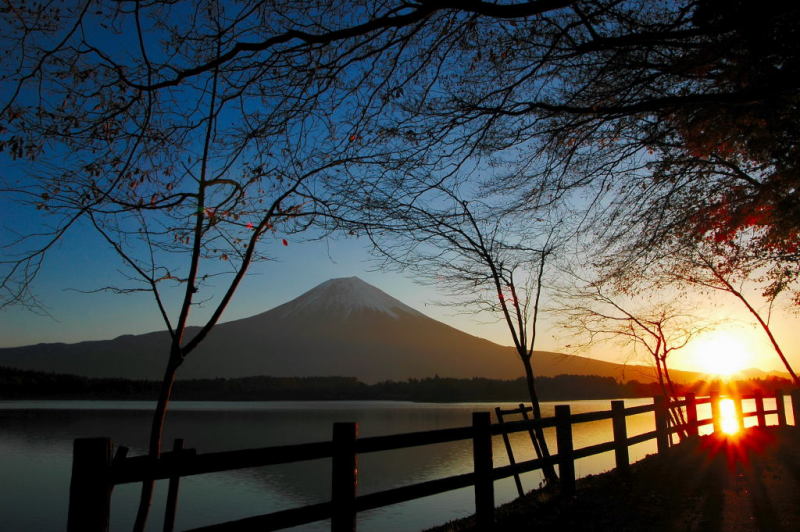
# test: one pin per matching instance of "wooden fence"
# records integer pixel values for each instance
(95, 471)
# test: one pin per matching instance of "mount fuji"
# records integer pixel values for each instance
(342, 327)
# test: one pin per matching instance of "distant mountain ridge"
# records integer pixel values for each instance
(342, 327)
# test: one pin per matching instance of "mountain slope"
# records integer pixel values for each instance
(343, 327)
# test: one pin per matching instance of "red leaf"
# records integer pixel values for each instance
(284, 241)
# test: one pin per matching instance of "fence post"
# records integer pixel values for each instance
(762, 418)
(737, 403)
(509, 451)
(715, 412)
(780, 406)
(344, 477)
(566, 461)
(482, 462)
(619, 424)
(547, 467)
(90, 486)
(795, 394)
(662, 427)
(692, 428)
(172, 491)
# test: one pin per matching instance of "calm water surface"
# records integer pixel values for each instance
(36, 453)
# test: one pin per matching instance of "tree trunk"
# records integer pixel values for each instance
(664, 382)
(674, 395)
(539, 442)
(768, 330)
(764, 325)
(156, 433)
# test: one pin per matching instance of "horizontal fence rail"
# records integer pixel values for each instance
(95, 472)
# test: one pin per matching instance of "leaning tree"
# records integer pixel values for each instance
(729, 267)
(595, 312)
(490, 262)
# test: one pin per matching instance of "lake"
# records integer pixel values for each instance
(36, 456)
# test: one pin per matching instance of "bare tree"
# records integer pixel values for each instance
(595, 313)
(488, 261)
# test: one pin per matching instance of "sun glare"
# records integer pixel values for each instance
(721, 354)
(729, 423)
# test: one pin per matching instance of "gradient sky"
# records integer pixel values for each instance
(81, 263)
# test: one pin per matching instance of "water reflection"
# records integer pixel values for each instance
(36, 448)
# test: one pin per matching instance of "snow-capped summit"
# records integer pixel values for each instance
(345, 296)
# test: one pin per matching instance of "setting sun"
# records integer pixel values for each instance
(721, 353)
(729, 421)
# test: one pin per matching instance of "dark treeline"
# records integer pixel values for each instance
(22, 384)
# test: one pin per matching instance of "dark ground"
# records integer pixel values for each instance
(704, 484)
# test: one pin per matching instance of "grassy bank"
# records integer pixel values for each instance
(705, 484)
